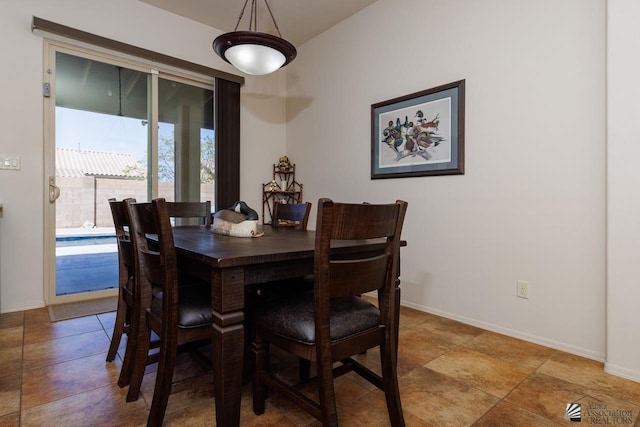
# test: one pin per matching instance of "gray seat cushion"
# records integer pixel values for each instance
(293, 317)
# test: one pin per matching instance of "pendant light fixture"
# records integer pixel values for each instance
(251, 51)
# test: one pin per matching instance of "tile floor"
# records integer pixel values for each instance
(451, 374)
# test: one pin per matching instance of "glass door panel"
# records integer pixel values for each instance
(101, 151)
(185, 141)
(116, 130)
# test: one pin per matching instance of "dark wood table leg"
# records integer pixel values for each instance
(228, 345)
(228, 353)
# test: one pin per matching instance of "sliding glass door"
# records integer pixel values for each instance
(117, 129)
(186, 151)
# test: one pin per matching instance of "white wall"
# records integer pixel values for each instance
(623, 189)
(531, 205)
(21, 117)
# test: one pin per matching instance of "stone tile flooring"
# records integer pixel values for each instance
(451, 374)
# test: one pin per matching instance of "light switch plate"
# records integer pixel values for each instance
(9, 162)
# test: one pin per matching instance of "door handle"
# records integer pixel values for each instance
(54, 190)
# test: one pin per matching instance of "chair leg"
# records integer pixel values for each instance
(133, 338)
(260, 356)
(118, 327)
(327, 393)
(164, 378)
(128, 361)
(135, 360)
(390, 381)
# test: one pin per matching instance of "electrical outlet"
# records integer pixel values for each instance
(522, 289)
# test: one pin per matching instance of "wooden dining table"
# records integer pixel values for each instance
(230, 264)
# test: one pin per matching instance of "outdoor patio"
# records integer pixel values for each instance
(86, 260)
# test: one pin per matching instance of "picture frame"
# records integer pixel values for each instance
(421, 134)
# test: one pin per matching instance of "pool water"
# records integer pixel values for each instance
(84, 240)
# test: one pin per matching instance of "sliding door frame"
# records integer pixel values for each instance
(155, 71)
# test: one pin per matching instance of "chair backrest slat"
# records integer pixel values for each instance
(121, 222)
(355, 277)
(361, 221)
(151, 267)
(286, 213)
(190, 213)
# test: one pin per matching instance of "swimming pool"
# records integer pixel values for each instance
(85, 240)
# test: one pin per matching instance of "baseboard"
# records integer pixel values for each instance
(557, 345)
(619, 371)
(23, 308)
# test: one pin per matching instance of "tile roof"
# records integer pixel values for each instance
(78, 163)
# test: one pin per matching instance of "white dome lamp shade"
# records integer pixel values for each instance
(253, 52)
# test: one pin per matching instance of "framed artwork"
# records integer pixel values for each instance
(420, 134)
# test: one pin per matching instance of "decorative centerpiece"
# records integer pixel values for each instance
(237, 221)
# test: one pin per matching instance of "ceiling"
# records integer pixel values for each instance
(298, 20)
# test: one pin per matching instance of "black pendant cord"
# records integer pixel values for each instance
(272, 18)
(241, 15)
(253, 17)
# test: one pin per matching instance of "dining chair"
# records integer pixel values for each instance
(199, 212)
(125, 274)
(126, 316)
(291, 217)
(179, 314)
(181, 212)
(333, 323)
(295, 215)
